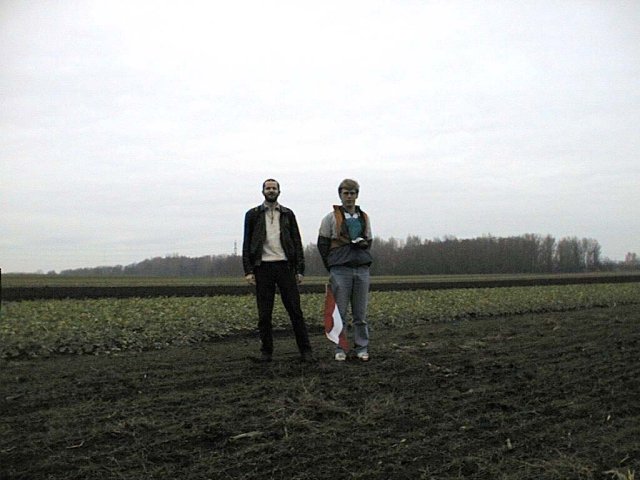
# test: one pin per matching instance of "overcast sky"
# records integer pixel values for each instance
(133, 129)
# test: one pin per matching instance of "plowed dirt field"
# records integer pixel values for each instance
(541, 396)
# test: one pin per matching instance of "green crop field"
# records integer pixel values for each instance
(42, 328)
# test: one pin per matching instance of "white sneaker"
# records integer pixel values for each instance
(364, 356)
(340, 356)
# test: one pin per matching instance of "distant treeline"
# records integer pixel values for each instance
(528, 253)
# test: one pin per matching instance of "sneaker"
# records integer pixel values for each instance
(340, 356)
(363, 356)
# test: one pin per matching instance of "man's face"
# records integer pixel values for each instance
(271, 191)
(348, 197)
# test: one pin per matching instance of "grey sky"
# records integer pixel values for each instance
(139, 129)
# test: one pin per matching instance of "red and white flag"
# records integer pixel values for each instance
(333, 326)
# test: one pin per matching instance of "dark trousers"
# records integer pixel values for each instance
(268, 275)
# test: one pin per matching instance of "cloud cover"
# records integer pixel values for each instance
(131, 130)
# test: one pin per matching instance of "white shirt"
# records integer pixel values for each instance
(272, 250)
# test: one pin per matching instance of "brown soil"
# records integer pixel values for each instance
(546, 396)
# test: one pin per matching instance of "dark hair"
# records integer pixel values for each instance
(348, 184)
(270, 180)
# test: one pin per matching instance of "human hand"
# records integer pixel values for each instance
(250, 278)
(360, 243)
(299, 278)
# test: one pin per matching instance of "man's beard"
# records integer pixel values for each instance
(271, 197)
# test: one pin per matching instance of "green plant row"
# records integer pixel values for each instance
(104, 326)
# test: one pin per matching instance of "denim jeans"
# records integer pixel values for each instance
(350, 285)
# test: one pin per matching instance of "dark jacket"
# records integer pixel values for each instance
(255, 232)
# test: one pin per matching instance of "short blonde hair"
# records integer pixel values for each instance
(348, 184)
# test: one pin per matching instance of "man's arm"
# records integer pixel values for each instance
(246, 243)
(327, 227)
(324, 245)
(297, 245)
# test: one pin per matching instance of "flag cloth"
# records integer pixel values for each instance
(333, 326)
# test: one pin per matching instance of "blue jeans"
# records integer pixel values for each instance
(351, 285)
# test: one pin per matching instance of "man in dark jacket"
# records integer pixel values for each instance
(272, 255)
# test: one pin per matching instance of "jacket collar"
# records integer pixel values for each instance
(262, 207)
(343, 210)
